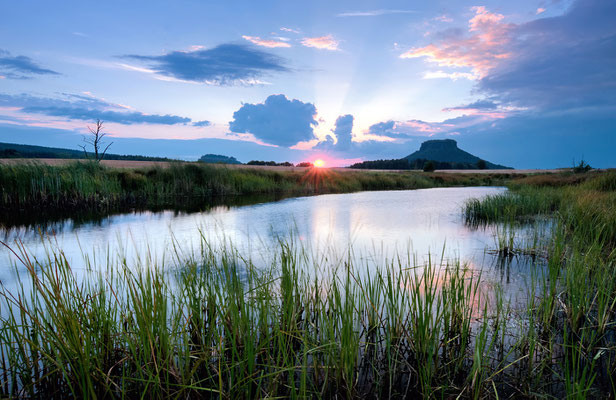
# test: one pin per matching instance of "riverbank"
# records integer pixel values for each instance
(89, 186)
(130, 164)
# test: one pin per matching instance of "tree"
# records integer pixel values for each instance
(95, 139)
(481, 164)
(429, 166)
(582, 167)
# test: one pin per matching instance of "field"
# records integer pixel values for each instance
(215, 326)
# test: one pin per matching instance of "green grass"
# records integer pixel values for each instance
(89, 186)
(570, 330)
(215, 326)
(222, 328)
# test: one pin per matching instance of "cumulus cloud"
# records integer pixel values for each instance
(277, 121)
(343, 133)
(266, 42)
(86, 108)
(20, 67)
(225, 64)
(322, 42)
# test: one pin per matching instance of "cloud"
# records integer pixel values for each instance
(266, 42)
(374, 13)
(407, 129)
(560, 64)
(20, 67)
(381, 128)
(343, 132)
(278, 121)
(454, 76)
(540, 10)
(323, 42)
(443, 18)
(203, 123)
(476, 105)
(86, 108)
(289, 30)
(482, 50)
(225, 64)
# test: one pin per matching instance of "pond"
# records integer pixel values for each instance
(376, 226)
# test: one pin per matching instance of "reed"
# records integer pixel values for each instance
(569, 330)
(91, 186)
(214, 325)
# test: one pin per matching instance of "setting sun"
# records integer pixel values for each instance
(319, 163)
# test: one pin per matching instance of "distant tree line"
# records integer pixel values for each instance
(270, 163)
(282, 164)
(419, 163)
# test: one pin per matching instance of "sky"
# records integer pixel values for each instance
(529, 84)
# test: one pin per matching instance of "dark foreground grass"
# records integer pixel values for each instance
(90, 186)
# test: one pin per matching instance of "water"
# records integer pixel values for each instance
(377, 225)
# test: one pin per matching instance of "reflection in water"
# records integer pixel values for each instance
(376, 224)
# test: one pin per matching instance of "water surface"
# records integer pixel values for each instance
(426, 219)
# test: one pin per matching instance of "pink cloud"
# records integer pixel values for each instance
(443, 18)
(482, 50)
(266, 42)
(540, 11)
(483, 19)
(321, 42)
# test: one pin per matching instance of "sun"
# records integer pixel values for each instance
(319, 163)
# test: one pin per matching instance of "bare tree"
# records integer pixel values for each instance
(95, 139)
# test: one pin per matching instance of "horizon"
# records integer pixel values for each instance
(527, 85)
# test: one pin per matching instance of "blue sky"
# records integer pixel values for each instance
(527, 84)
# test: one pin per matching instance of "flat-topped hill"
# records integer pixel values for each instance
(447, 151)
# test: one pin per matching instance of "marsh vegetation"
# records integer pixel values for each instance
(215, 324)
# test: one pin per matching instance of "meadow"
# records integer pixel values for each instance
(213, 325)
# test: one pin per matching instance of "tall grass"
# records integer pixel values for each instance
(570, 333)
(93, 186)
(215, 326)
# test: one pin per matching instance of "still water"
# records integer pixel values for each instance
(375, 225)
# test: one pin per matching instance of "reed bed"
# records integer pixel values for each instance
(215, 326)
(90, 186)
(571, 311)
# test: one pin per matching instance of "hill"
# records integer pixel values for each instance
(443, 154)
(12, 150)
(447, 151)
